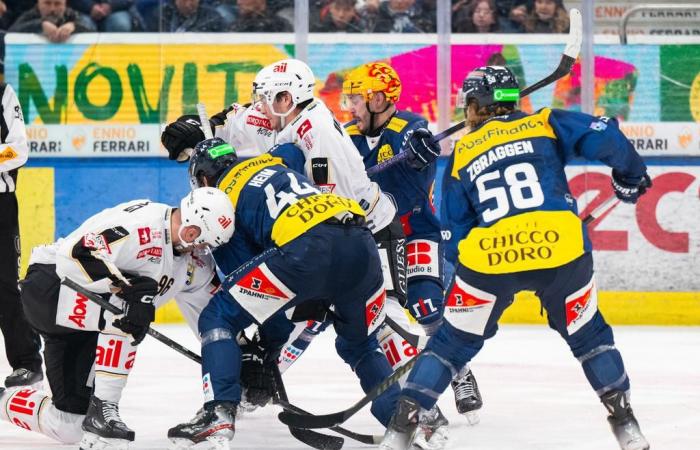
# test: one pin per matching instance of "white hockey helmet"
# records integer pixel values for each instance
(211, 210)
(287, 75)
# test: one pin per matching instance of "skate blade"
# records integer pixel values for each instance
(91, 441)
(210, 443)
(472, 417)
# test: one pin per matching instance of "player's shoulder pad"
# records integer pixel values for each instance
(402, 119)
(352, 128)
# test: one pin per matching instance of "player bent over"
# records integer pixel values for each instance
(379, 131)
(141, 250)
(298, 249)
(514, 226)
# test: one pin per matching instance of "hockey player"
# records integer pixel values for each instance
(513, 226)
(297, 249)
(380, 131)
(142, 252)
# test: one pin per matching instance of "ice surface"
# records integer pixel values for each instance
(535, 394)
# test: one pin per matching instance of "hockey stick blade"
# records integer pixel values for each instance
(568, 59)
(115, 310)
(308, 437)
(334, 419)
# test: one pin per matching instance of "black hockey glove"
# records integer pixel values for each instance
(422, 147)
(139, 311)
(182, 134)
(257, 376)
(629, 189)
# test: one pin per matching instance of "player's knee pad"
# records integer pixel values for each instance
(33, 410)
(604, 369)
(115, 357)
(222, 313)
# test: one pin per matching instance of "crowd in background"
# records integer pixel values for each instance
(58, 19)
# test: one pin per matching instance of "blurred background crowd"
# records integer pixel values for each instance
(58, 19)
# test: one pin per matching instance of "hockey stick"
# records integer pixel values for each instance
(568, 58)
(115, 310)
(334, 419)
(415, 340)
(310, 438)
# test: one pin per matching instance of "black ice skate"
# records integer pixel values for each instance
(23, 377)
(103, 428)
(213, 424)
(622, 421)
(402, 427)
(467, 395)
(432, 431)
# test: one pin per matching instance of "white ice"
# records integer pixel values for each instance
(535, 394)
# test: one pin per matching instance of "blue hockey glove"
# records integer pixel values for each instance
(422, 147)
(629, 189)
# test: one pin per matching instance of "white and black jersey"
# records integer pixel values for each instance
(14, 150)
(130, 239)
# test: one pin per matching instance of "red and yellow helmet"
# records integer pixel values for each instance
(373, 77)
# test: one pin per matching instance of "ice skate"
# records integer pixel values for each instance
(467, 396)
(211, 428)
(622, 421)
(24, 377)
(103, 428)
(402, 427)
(432, 432)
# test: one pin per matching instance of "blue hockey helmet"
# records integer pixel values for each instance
(490, 87)
(211, 158)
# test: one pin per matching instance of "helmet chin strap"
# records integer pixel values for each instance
(282, 116)
(372, 131)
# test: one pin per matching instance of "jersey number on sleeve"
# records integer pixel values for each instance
(522, 184)
(277, 201)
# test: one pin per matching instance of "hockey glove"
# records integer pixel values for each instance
(137, 317)
(629, 189)
(139, 289)
(422, 147)
(180, 135)
(257, 377)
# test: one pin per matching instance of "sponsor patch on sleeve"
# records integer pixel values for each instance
(423, 258)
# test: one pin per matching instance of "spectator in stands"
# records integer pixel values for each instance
(113, 16)
(480, 16)
(546, 16)
(399, 16)
(10, 10)
(338, 16)
(188, 15)
(53, 19)
(254, 16)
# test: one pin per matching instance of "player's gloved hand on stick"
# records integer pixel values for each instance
(629, 189)
(422, 147)
(139, 311)
(180, 135)
(257, 378)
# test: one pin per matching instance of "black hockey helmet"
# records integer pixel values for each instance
(210, 160)
(490, 86)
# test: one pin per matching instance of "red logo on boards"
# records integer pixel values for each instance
(282, 67)
(144, 235)
(225, 222)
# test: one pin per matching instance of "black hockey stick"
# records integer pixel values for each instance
(415, 340)
(568, 58)
(115, 310)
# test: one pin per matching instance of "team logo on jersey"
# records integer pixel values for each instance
(144, 235)
(155, 252)
(374, 310)
(260, 122)
(468, 308)
(96, 242)
(423, 258)
(581, 306)
(281, 67)
(224, 221)
(385, 152)
(261, 293)
(304, 128)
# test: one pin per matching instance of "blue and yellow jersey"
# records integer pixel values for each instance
(274, 205)
(506, 201)
(412, 190)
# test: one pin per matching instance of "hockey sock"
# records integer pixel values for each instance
(113, 361)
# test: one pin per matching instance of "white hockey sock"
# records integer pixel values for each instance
(114, 359)
(33, 410)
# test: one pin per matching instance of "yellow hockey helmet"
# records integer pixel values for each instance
(373, 77)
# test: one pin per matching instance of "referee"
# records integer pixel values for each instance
(22, 344)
